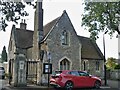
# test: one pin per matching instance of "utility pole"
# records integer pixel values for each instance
(105, 78)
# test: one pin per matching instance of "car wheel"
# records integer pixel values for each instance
(97, 85)
(69, 85)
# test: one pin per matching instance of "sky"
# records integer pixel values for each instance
(55, 8)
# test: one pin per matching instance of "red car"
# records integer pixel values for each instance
(74, 79)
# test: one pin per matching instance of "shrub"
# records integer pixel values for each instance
(117, 66)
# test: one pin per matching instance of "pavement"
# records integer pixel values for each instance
(111, 85)
(28, 87)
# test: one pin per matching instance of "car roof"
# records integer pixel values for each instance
(66, 71)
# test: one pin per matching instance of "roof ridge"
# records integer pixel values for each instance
(56, 21)
(89, 44)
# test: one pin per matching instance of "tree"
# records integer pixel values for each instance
(12, 10)
(4, 55)
(100, 16)
(111, 63)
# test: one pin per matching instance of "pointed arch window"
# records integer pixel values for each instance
(64, 65)
(97, 65)
(85, 65)
(64, 38)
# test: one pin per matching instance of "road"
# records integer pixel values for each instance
(112, 85)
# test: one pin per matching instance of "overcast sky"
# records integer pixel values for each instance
(53, 9)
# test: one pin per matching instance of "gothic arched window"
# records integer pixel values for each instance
(97, 65)
(85, 65)
(64, 38)
(64, 64)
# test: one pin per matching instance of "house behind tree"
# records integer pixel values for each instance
(68, 51)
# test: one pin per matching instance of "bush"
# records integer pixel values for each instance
(117, 66)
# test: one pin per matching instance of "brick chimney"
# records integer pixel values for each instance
(23, 25)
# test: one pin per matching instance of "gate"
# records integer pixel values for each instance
(31, 72)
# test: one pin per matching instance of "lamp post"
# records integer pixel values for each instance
(105, 78)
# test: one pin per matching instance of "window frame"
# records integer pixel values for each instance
(65, 38)
(97, 66)
(64, 64)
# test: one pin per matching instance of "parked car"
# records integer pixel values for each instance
(74, 79)
(2, 73)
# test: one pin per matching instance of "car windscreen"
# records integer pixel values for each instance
(57, 73)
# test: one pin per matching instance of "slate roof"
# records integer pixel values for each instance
(24, 38)
(90, 49)
(49, 26)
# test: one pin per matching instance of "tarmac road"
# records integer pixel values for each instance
(112, 85)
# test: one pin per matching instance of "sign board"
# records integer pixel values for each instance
(47, 68)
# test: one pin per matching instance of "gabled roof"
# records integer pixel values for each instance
(49, 26)
(24, 38)
(90, 50)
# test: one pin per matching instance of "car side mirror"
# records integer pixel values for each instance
(90, 76)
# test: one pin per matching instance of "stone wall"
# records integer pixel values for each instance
(90, 67)
(71, 52)
(113, 74)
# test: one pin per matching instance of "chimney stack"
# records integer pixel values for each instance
(40, 20)
(23, 25)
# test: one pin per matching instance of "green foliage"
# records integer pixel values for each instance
(12, 10)
(100, 16)
(4, 55)
(111, 63)
(117, 66)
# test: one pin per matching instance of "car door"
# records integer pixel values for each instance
(75, 78)
(86, 79)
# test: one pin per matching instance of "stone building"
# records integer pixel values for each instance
(67, 50)
(70, 51)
